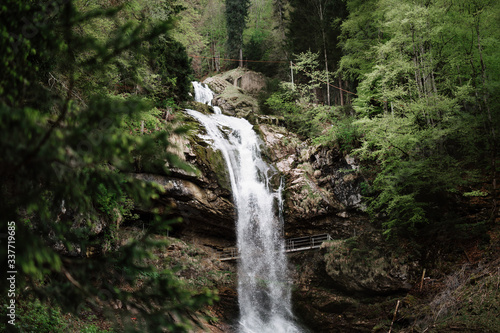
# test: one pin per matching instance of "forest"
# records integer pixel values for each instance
(91, 91)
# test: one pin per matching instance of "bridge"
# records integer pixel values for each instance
(291, 245)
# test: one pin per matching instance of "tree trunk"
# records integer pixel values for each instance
(327, 77)
(418, 75)
(325, 53)
(490, 123)
(212, 52)
(341, 93)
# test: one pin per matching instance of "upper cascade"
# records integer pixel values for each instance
(203, 94)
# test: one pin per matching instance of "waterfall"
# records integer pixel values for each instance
(204, 94)
(264, 288)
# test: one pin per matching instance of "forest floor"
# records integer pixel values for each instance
(462, 291)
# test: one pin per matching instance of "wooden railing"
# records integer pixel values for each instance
(291, 245)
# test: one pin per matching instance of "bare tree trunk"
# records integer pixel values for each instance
(417, 68)
(327, 76)
(212, 52)
(341, 93)
(490, 123)
(217, 61)
(241, 57)
(325, 53)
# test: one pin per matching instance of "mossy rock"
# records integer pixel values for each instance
(200, 107)
(233, 100)
(211, 161)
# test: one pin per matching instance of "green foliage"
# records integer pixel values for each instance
(283, 102)
(213, 26)
(42, 319)
(115, 205)
(328, 126)
(174, 71)
(150, 120)
(343, 133)
(413, 176)
(425, 116)
(306, 66)
(475, 193)
(423, 121)
(304, 120)
(313, 26)
(236, 14)
(71, 93)
(359, 33)
(25, 57)
(188, 28)
(34, 316)
(94, 329)
(272, 86)
(256, 49)
(262, 38)
(347, 135)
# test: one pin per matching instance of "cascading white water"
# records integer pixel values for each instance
(264, 290)
(204, 94)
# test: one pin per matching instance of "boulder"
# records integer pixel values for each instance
(232, 98)
(251, 82)
(217, 84)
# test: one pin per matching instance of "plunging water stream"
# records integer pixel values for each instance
(204, 94)
(264, 293)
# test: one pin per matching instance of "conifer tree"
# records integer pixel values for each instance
(66, 163)
(236, 15)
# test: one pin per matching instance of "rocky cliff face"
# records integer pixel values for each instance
(201, 197)
(322, 195)
(344, 286)
(322, 185)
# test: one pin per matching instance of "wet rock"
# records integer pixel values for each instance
(201, 210)
(322, 185)
(200, 195)
(323, 306)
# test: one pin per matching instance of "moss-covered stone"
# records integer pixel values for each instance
(200, 107)
(212, 161)
(232, 99)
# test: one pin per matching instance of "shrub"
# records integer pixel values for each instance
(34, 316)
